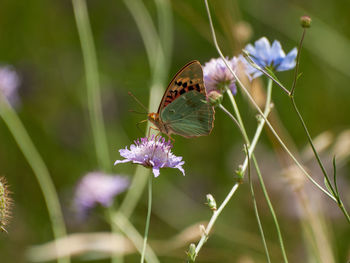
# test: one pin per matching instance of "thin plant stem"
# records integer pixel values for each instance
(39, 168)
(122, 222)
(92, 83)
(258, 109)
(213, 219)
(256, 211)
(291, 96)
(216, 213)
(266, 195)
(157, 60)
(148, 218)
(338, 200)
(297, 64)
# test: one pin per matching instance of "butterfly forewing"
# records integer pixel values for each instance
(189, 78)
(190, 115)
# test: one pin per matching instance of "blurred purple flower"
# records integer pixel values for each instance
(218, 77)
(265, 55)
(153, 153)
(9, 82)
(98, 188)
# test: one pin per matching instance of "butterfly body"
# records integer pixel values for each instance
(184, 109)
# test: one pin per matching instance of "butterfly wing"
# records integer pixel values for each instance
(190, 115)
(190, 77)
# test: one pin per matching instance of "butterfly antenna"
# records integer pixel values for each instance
(138, 112)
(139, 102)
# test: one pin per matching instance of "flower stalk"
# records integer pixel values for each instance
(148, 219)
(92, 83)
(39, 168)
(259, 110)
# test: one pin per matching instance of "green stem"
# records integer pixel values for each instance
(122, 222)
(258, 109)
(148, 218)
(92, 83)
(339, 202)
(256, 211)
(297, 64)
(157, 57)
(213, 219)
(234, 188)
(39, 168)
(266, 195)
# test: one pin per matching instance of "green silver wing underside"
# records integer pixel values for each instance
(189, 115)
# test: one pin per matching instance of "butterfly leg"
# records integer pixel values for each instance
(153, 128)
(172, 139)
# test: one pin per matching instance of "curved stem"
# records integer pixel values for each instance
(157, 53)
(297, 64)
(148, 218)
(258, 109)
(266, 195)
(39, 168)
(334, 192)
(234, 188)
(256, 211)
(215, 215)
(92, 83)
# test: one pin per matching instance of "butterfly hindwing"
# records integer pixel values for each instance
(190, 77)
(189, 115)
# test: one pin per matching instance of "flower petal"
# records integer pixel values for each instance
(155, 171)
(289, 61)
(276, 54)
(262, 51)
(121, 161)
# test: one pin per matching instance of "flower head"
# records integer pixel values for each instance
(218, 77)
(9, 82)
(98, 188)
(153, 153)
(5, 204)
(266, 55)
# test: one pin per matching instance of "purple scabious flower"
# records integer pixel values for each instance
(97, 188)
(217, 77)
(153, 153)
(9, 82)
(266, 55)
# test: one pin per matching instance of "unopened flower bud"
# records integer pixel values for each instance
(305, 21)
(5, 204)
(191, 252)
(211, 202)
(215, 98)
(239, 174)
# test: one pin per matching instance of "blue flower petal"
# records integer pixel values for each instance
(289, 61)
(262, 51)
(265, 55)
(277, 53)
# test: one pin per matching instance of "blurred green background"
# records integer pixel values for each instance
(39, 38)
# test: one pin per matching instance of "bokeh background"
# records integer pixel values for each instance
(39, 38)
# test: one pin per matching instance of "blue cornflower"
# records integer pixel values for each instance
(217, 76)
(97, 188)
(153, 153)
(266, 55)
(9, 82)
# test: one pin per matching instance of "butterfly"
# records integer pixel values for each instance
(184, 109)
